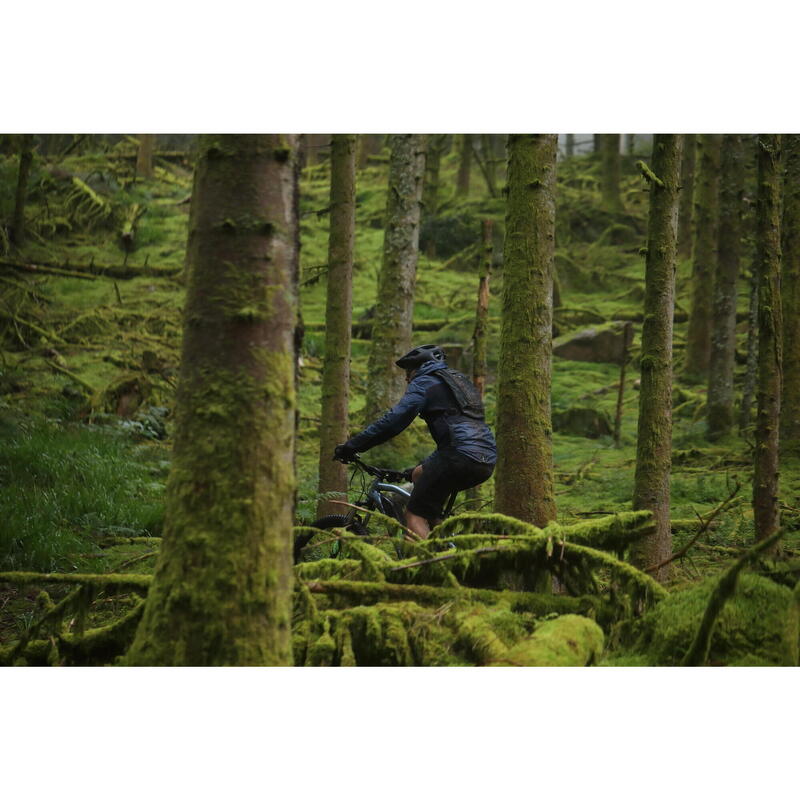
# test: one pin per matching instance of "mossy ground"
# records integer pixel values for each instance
(119, 340)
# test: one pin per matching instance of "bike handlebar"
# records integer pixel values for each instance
(379, 472)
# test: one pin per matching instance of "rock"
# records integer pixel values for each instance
(601, 343)
(583, 421)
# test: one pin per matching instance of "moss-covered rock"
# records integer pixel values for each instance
(754, 626)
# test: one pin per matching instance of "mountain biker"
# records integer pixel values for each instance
(451, 406)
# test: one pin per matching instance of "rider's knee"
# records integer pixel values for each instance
(415, 475)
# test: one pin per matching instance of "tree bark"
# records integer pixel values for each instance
(369, 144)
(569, 146)
(480, 335)
(609, 186)
(221, 593)
(464, 165)
(630, 143)
(790, 295)
(433, 160)
(391, 330)
(654, 440)
(334, 428)
(704, 255)
(23, 174)
(751, 371)
(770, 337)
(686, 199)
(144, 156)
(719, 413)
(524, 476)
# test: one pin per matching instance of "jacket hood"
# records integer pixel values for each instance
(430, 366)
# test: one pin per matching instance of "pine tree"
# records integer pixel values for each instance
(221, 593)
(334, 428)
(524, 477)
(609, 186)
(704, 254)
(719, 412)
(430, 193)
(569, 146)
(23, 174)
(391, 330)
(464, 164)
(770, 337)
(144, 155)
(790, 294)
(480, 334)
(654, 440)
(686, 197)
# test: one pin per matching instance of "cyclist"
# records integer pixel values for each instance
(451, 406)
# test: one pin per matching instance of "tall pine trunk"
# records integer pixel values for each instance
(221, 593)
(686, 198)
(144, 155)
(654, 439)
(430, 192)
(719, 413)
(609, 185)
(770, 337)
(524, 477)
(464, 164)
(391, 329)
(569, 145)
(23, 174)
(481, 332)
(704, 254)
(790, 292)
(334, 428)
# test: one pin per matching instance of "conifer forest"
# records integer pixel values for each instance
(192, 325)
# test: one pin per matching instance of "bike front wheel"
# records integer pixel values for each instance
(312, 546)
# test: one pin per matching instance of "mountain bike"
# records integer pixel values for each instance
(382, 494)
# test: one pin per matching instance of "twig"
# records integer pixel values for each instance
(648, 174)
(703, 528)
(477, 551)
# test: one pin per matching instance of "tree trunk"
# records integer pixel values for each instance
(433, 160)
(524, 477)
(610, 172)
(751, 371)
(487, 164)
(630, 143)
(597, 142)
(704, 255)
(464, 165)
(770, 337)
(719, 413)
(334, 428)
(569, 147)
(391, 329)
(369, 144)
(686, 200)
(654, 439)
(480, 335)
(221, 593)
(144, 156)
(25, 161)
(790, 292)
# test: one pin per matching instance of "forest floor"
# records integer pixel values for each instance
(89, 363)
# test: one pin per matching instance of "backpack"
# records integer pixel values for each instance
(467, 397)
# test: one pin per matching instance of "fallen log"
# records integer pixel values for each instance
(91, 271)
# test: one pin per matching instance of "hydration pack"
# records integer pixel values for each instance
(467, 397)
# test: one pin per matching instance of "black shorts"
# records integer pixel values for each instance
(443, 473)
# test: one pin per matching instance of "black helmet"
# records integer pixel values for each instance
(419, 355)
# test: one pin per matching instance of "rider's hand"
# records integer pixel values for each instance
(344, 453)
(408, 474)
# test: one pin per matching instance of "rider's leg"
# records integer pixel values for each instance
(418, 524)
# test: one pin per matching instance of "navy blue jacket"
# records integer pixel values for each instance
(429, 397)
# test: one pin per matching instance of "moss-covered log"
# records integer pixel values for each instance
(221, 592)
(770, 337)
(335, 393)
(524, 476)
(654, 442)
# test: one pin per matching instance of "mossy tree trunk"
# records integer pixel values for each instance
(790, 291)
(221, 593)
(334, 428)
(480, 335)
(719, 413)
(654, 439)
(430, 193)
(569, 145)
(23, 174)
(487, 164)
(609, 185)
(704, 254)
(524, 476)
(391, 329)
(369, 144)
(630, 143)
(770, 337)
(686, 199)
(464, 164)
(144, 155)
